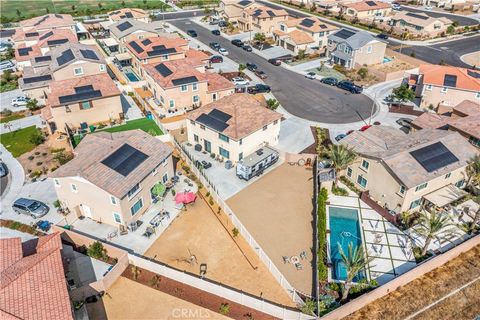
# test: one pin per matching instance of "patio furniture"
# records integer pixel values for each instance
(185, 197)
(286, 259)
(203, 269)
(299, 266)
(294, 259)
(148, 232)
(303, 255)
(157, 219)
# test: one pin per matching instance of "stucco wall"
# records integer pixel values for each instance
(67, 72)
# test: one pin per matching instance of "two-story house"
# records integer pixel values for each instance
(309, 34)
(403, 171)
(419, 24)
(112, 176)
(352, 49)
(231, 10)
(233, 127)
(366, 10)
(32, 28)
(129, 13)
(261, 19)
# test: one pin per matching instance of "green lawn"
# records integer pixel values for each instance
(18, 142)
(147, 125)
(32, 8)
(14, 116)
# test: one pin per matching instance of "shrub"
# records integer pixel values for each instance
(322, 234)
(97, 251)
(362, 72)
(272, 104)
(6, 112)
(308, 307)
(235, 232)
(349, 184)
(31, 158)
(208, 194)
(37, 138)
(56, 203)
(63, 157)
(39, 163)
(339, 68)
(338, 191)
(211, 201)
(224, 309)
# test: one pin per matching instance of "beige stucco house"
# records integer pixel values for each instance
(90, 100)
(126, 30)
(307, 34)
(366, 10)
(129, 13)
(419, 24)
(32, 29)
(233, 127)
(231, 10)
(354, 49)
(111, 177)
(261, 19)
(403, 171)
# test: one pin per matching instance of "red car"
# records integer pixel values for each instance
(216, 59)
(365, 127)
(260, 74)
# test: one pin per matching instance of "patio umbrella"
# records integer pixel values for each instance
(185, 197)
(159, 189)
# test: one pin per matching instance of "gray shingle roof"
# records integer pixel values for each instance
(355, 39)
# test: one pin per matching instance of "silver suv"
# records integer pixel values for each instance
(33, 208)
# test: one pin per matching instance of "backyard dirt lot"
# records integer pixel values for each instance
(198, 232)
(277, 211)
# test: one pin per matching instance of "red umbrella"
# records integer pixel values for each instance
(185, 197)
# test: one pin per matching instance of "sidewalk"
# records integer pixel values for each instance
(35, 120)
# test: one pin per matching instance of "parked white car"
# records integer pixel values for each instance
(7, 65)
(396, 6)
(311, 75)
(223, 51)
(239, 81)
(19, 101)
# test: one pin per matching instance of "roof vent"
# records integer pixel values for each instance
(259, 152)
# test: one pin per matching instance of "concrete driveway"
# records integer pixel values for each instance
(6, 100)
(299, 96)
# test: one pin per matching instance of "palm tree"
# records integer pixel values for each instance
(341, 157)
(433, 225)
(473, 170)
(355, 260)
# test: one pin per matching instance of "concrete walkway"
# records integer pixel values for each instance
(35, 120)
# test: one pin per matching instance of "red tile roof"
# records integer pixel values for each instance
(435, 75)
(181, 68)
(120, 14)
(33, 52)
(34, 287)
(48, 21)
(364, 6)
(176, 43)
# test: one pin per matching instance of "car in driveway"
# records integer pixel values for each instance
(330, 81)
(7, 65)
(247, 48)
(239, 81)
(251, 66)
(215, 46)
(349, 86)
(19, 101)
(275, 62)
(223, 51)
(3, 170)
(311, 75)
(261, 74)
(259, 88)
(237, 42)
(216, 32)
(192, 33)
(33, 208)
(214, 22)
(340, 137)
(405, 122)
(365, 127)
(222, 24)
(396, 6)
(216, 59)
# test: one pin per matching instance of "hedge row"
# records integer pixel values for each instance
(322, 235)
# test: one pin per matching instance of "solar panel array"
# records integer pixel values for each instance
(24, 51)
(65, 57)
(58, 16)
(43, 59)
(46, 35)
(37, 79)
(450, 80)
(371, 3)
(135, 46)
(473, 74)
(186, 80)
(307, 23)
(417, 16)
(159, 52)
(125, 159)
(56, 42)
(163, 70)
(128, 14)
(89, 54)
(270, 13)
(215, 119)
(41, 20)
(146, 42)
(76, 97)
(434, 156)
(124, 26)
(220, 115)
(83, 89)
(257, 12)
(344, 34)
(323, 26)
(31, 34)
(244, 3)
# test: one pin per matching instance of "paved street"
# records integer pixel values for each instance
(35, 120)
(462, 20)
(299, 96)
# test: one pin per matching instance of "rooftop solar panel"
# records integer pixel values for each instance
(125, 159)
(257, 12)
(58, 16)
(473, 74)
(344, 34)
(89, 54)
(244, 3)
(56, 42)
(43, 59)
(128, 14)
(24, 51)
(270, 13)
(186, 80)
(135, 46)
(450, 80)
(371, 3)
(161, 52)
(220, 115)
(323, 26)
(46, 35)
(434, 156)
(417, 16)
(307, 22)
(41, 20)
(37, 79)
(146, 42)
(65, 57)
(163, 70)
(159, 47)
(76, 97)
(212, 123)
(83, 89)
(31, 34)
(124, 26)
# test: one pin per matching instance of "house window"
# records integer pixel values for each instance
(421, 186)
(349, 172)
(184, 88)
(133, 191)
(195, 138)
(113, 200)
(223, 137)
(474, 141)
(78, 71)
(164, 162)
(415, 203)
(136, 207)
(85, 105)
(172, 103)
(362, 181)
(265, 127)
(477, 95)
(365, 164)
(460, 183)
(224, 153)
(162, 100)
(214, 97)
(402, 190)
(102, 67)
(240, 156)
(348, 50)
(196, 99)
(57, 183)
(369, 49)
(240, 142)
(322, 34)
(165, 57)
(74, 187)
(67, 109)
(444, 90)
(448, 175)
(154, 171)
(117, 217)
(282, 27)
(428, 87)
(165, 178)
(195, 87)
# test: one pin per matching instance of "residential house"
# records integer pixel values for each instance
(87, 100)
(70, 60)
(443, 87)
(353, 49)
(261, 19)
(231, 10)
(419, 24)
(402, 171)
(233, 127)
(307, 34)
(33, 284)
(328, 6)
(180, 85)
(129, 13)
(366, 10)
(111, 177)
(35, 26)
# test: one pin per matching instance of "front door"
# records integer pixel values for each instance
(208, 146)
(87, 211)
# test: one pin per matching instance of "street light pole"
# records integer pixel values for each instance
(373, 107)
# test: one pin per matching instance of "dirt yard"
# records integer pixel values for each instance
(472, 59)
(198, 232)
(277, 210)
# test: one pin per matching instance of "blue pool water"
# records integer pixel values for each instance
(344, 228)
(132, 77)
(385, 60)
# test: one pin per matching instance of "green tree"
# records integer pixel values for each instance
(455, 24)
(433, 225)
(241, 67)
(37, 138)
(473, 171)
(73, 7)
(260, 37)
(224, 308)
(97, 251)
(18, 12)
(354, 260)
(272, 104)
(301, 54)
(123, 3)
(450, 29)
(48, 10)
(362, 72)
(32, 104)
(308, 307)
(135, 272)
(99, 5)
(403, 93)
(341, 157)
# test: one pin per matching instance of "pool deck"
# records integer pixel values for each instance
(390, 247)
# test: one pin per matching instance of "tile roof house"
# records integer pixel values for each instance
(366, 10)
(33, 286)
(353, 49)
(112, 174)
(233, 9)
(261, 19)
(444, 87)
(234, 126)
(126, 30)
(86, 101)
(49, 21)
(400, 171)
(129, 13)
(419, 24)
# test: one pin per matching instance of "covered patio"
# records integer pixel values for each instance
(444, 196)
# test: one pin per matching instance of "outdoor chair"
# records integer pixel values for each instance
(303, 255)
(203, 269)
(299, 266)
(286, 259)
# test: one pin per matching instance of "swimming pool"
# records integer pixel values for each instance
(132, 77)
(344, 229)
(385, 60)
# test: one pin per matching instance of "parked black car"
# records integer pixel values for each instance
(237, 42)
(216, 59)
(222, 24)
(349, 86)
(247, 48)
(216, 32)
(275, 62)
(3, 170)
(251, 66)
(330, 81)
(192, 33)
(215, 45)
(259, 88)
(382, 36)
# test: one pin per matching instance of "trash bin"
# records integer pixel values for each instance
(198, 147)
(228, 164)
(149, 115)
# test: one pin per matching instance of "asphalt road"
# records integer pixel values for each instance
(307, 99)
(462, 20)
(3, 184)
